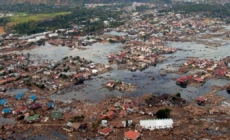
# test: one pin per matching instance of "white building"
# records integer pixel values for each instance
(106, 23)
(32, 40)
(53, 35)
(41, 37)
(156, 124)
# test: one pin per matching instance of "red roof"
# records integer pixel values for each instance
(20, 109)
(123, 112)
(200, 98)
(21, 57)
(133, 135)
(76, 37)
(105, 131)
(122, 54)
(198, 80)
(184, 78)
(78, 75)
(109, 114)
(7, 80)
(220, 72)
(110, 84)
(111, 56)
(56, 75)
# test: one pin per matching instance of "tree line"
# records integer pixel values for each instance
(80, 16)
(32, 9)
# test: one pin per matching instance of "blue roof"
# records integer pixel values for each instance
(33, 97)
(19, 96)
(50, 104)
(7, 110)
(3, 101)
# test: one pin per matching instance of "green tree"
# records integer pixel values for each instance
(163, 113)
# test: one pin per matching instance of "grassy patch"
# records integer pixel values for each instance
(23, 17)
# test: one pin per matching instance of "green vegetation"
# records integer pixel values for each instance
(178, 94)
(73, 2)
(31, 8)
(96, 124)
(32, 118)
(41, 86)
(163, 113)
(56, 115)
(4, 21)
(78, 16)
(23, 17)
(78, 118)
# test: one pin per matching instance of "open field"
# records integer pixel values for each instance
(23, 17)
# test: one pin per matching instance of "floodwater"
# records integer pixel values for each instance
(120, 33)
(17, 91)
(59, 135)
(41, 137)
(94, 89)
(6, 121)
(54, 135)
(98, 52)
(116, 33)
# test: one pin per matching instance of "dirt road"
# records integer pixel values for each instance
(1, 30)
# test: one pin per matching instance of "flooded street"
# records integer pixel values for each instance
(6, 121)
(97, 52)
(94, 90)
(17, 91)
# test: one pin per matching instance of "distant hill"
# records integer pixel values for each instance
(81, 2)
(66, 2)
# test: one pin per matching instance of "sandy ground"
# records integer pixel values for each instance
(1, 30)
(207, 20)
(8, 24)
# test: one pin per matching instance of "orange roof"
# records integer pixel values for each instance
(133, 135)
(123, 112)
(22, 108)
(76, 37)
(105, 131)
(110, 113)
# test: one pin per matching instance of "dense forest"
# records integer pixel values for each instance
(4, 21)
(33, 9)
